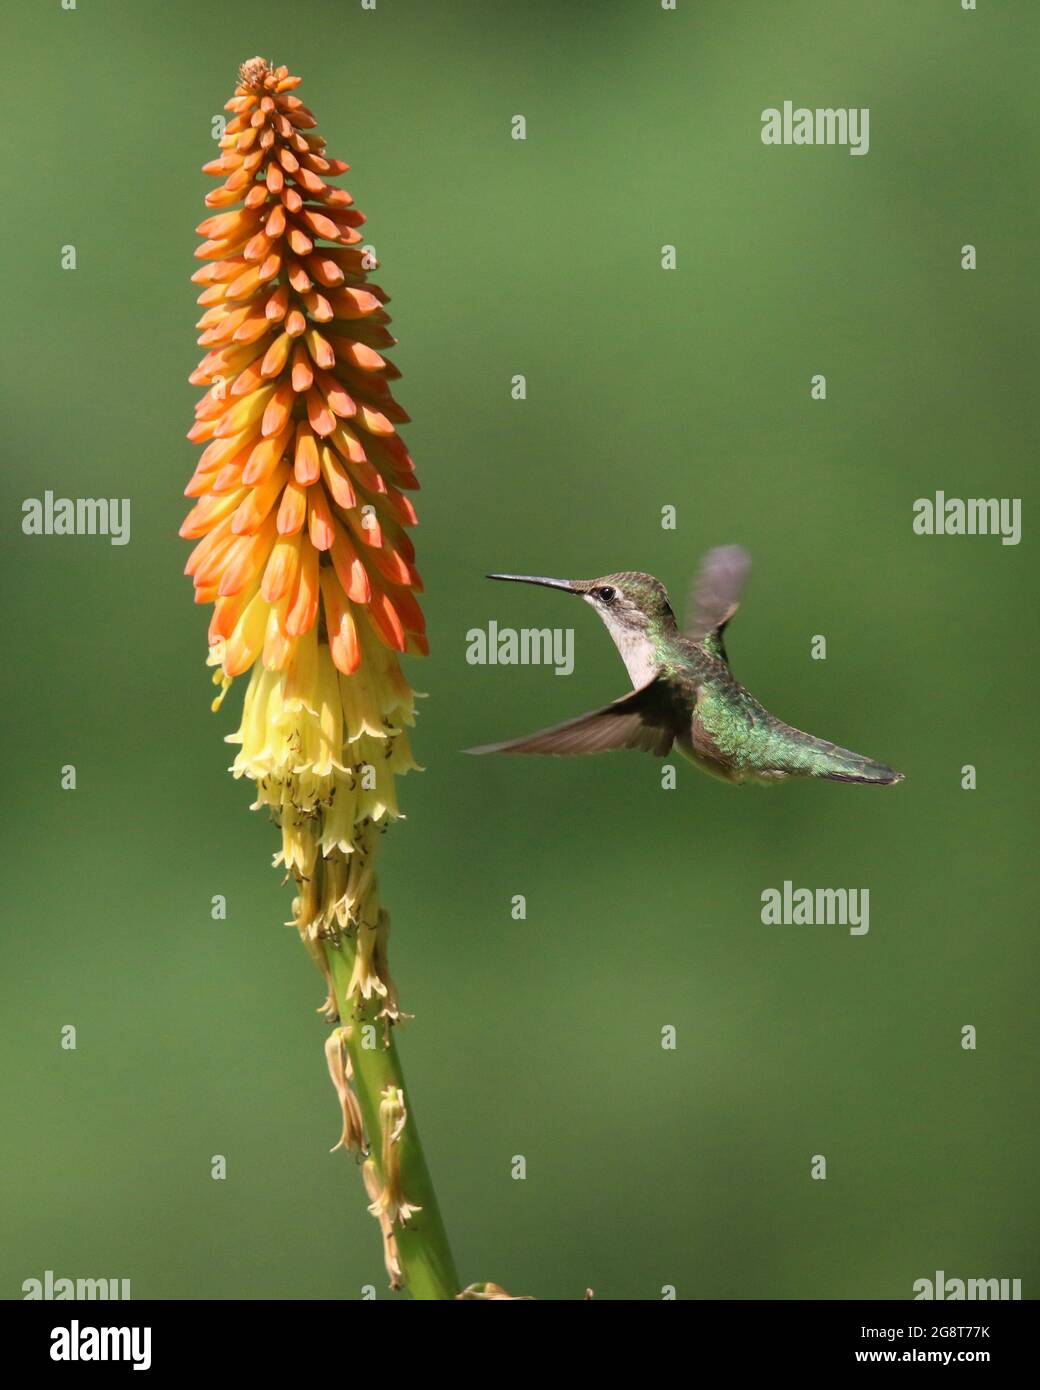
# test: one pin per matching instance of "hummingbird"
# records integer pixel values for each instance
(684, 693)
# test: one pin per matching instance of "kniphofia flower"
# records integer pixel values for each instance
(300, 523)
(302, 512)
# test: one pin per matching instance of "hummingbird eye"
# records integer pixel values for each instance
(606, 594)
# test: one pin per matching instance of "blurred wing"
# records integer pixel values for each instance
(715, 596)
(641, 719)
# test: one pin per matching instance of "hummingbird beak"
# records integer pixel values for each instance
(569, 585)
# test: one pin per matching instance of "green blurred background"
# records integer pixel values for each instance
(645, 388)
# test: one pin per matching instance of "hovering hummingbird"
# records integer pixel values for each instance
(685, 693)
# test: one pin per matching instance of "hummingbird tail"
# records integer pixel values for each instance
(814, 757)
(877, 773)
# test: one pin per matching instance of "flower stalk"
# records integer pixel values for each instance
(416, 1251)
(300, 523)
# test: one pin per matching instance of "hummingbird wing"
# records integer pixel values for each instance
(642, 719)
(715, 596)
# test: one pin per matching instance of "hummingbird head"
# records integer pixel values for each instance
(633, 605)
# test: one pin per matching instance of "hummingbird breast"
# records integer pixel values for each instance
(639, 654)
(709, 761)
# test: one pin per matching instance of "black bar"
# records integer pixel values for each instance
(321, 1341)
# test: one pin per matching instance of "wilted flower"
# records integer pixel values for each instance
(491, 1292)
(390, 1203)
(341, 1074)
(391, 1254)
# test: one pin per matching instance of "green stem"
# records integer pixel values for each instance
(422, 1244)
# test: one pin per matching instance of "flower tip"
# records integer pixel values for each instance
(253, 72)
